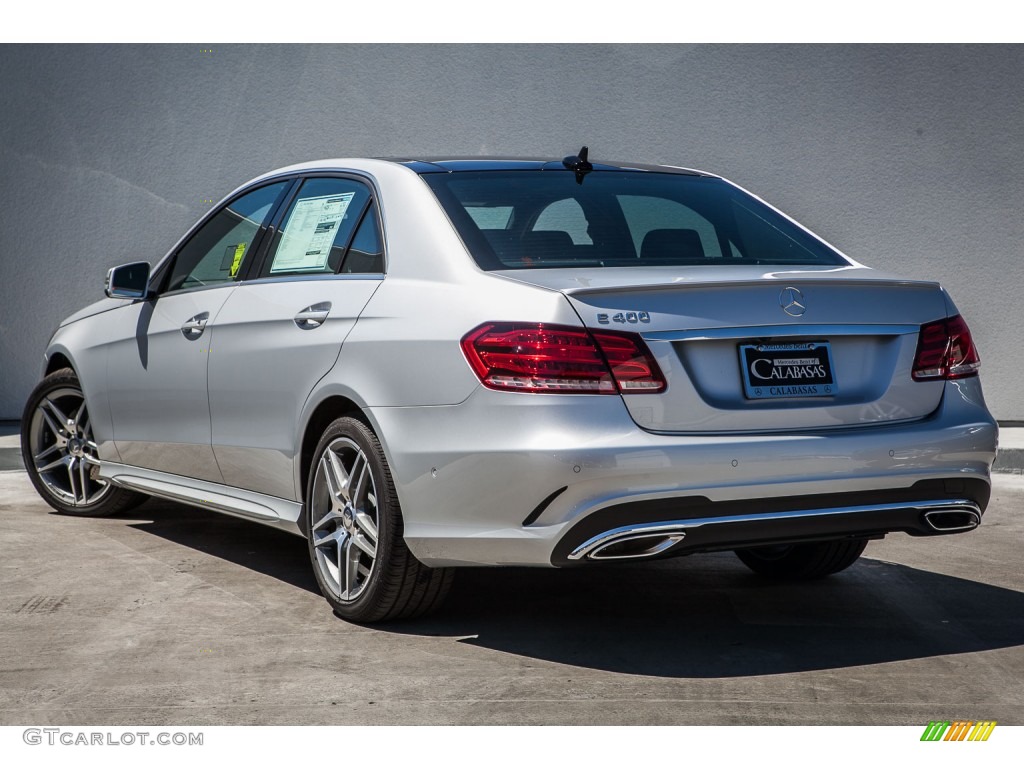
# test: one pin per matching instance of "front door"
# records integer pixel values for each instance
(157, 364)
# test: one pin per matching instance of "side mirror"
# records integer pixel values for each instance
(128, 281)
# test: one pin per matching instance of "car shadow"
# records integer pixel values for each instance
(707, 616)
(259, 548)
(698, 617)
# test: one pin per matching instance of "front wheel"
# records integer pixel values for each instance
(60, 452)
(355, 532)
(803, 561)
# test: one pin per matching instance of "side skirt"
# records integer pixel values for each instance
(249, 505)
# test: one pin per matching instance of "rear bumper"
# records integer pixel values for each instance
(517, 479)
(644, 531)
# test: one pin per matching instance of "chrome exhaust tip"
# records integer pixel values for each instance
(954, 519)
(628, 546)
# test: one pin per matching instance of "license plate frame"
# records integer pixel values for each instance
(774, 370)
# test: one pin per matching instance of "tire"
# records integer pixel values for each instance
(60, 454)
(355, 532)
(803, 561)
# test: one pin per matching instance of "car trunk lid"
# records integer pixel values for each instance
(706, 325)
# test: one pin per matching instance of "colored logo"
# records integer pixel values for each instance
(958, 730)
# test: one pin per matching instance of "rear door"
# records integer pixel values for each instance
(280, 333)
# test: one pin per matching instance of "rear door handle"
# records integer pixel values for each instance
(313, 316)
(194, 326)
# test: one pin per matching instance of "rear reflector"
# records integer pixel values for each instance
(945, 350)
(540, 357)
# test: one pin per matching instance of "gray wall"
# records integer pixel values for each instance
(909, 158)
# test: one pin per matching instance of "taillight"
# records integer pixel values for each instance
(540, 357)
(945, 350)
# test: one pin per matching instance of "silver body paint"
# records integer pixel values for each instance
(219, 421)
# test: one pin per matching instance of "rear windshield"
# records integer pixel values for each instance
(545, 219)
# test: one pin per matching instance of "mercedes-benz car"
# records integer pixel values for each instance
(420, 364)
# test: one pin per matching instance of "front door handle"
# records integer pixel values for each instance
(313, 316)
(194, 326)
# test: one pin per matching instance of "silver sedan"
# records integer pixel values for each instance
(428, 363)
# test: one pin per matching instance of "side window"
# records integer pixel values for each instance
(216, 252)
(365, 255)
(565, 216)
(317, 228)
(661, 217)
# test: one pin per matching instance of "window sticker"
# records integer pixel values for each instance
(236, 259)
(309, 233)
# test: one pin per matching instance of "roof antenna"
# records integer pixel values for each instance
(579, 164)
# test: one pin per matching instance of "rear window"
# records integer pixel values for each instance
(545, 219)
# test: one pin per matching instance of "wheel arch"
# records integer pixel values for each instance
(73, 438)
(330, 406)
(56, 360)
(75, 348)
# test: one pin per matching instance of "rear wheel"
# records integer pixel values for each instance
(60, 452)
(356, 542)
(803, 561)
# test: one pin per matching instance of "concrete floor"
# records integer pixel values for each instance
(173, 615)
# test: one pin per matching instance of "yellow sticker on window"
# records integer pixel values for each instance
(236, 262)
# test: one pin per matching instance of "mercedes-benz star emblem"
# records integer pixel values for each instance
(791, 301)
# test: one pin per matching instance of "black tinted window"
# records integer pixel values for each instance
(366, 253)
(544, 219)
(217, 251)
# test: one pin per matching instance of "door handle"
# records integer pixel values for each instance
(194, 326)
(313, 316)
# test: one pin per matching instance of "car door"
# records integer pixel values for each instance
(157, 365)
(280, 333)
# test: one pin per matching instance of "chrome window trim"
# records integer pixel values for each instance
(263, 181)
(317, 276)
(196, 289)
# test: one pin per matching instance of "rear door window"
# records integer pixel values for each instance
(317, 228)
(366, 253)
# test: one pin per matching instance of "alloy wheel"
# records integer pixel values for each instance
(344, 519)
(63, 452)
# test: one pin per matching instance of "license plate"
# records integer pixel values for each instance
(788, 370)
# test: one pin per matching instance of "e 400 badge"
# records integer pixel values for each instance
(624, 317)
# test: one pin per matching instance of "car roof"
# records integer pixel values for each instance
(426, 165)
(466, 163)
